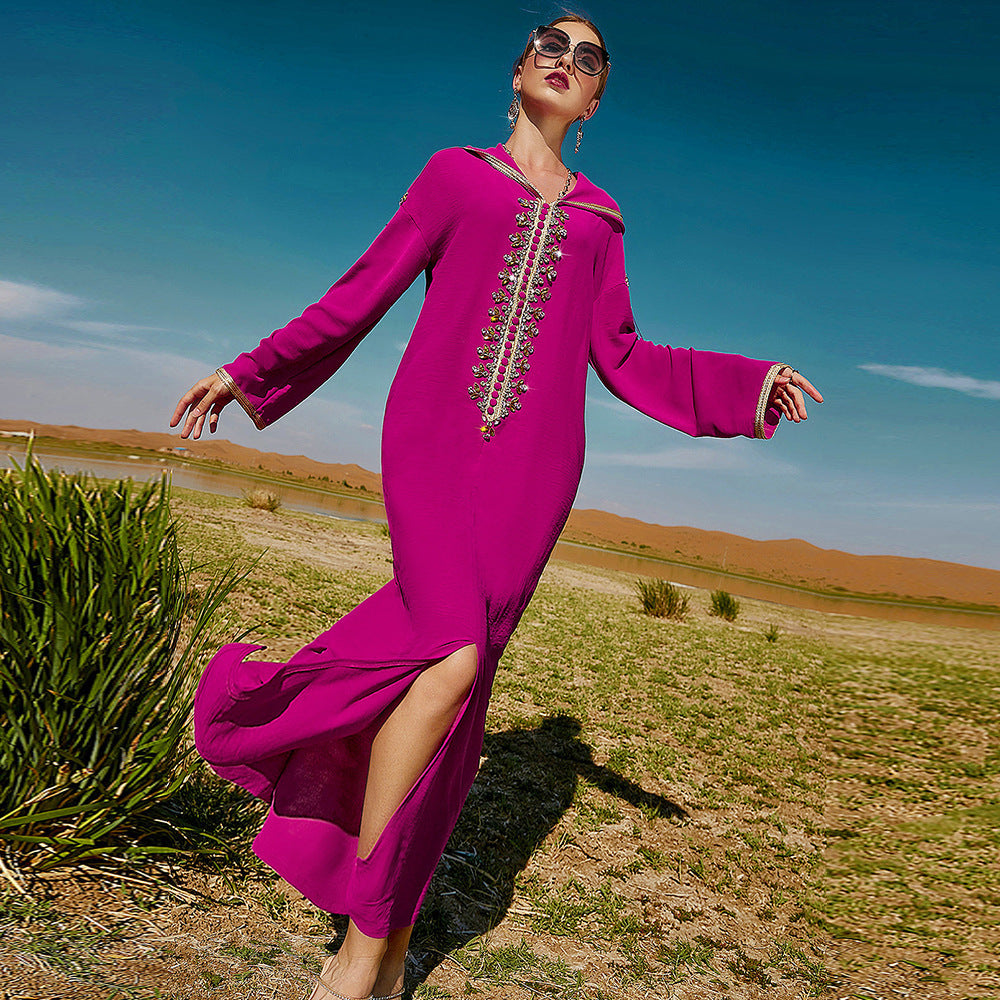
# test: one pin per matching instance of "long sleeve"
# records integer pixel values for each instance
(294, 361)
(697, 392)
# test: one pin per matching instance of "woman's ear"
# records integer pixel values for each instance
(516, 83)
(591, 109)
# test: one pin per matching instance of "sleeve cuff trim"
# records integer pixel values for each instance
(765, 394)
(237, 392)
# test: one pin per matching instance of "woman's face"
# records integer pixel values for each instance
(556, 86)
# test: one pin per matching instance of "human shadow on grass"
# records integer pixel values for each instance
(526, 783)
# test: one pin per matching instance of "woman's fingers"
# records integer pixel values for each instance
(802, 382)
(788, 394)
(212, 402)
(796, 403)
(213, 419)
(206, 398)
(779, 401)
(790, 404)
(191, 396)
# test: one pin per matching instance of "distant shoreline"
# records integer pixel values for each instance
(791, 564)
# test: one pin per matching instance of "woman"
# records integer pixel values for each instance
(366, 742)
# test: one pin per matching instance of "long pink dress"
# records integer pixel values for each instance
(482, 451)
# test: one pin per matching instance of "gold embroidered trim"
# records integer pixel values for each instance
(765, 393)
(237, 392)
(603, 209)
(504, 168)
(529, 270)
(516, 175)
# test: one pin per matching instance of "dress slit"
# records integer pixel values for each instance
(299, 734)
(439, 752)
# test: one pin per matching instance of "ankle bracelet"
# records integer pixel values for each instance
(340, 996)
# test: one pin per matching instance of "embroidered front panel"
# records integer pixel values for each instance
(529, 269)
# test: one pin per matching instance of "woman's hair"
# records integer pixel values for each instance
(602, 80)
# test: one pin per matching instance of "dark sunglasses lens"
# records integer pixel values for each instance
(588, 58)
(551, 42)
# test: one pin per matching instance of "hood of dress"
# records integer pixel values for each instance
(585, 194)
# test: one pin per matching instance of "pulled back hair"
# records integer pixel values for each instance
(602, 80)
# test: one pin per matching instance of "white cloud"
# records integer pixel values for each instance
(610, 402)
(114, 330)
(942, 506)
(937, 378)
(30, 357)
(19, 301)
(716, 457)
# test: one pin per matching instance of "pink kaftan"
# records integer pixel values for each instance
(482, 451)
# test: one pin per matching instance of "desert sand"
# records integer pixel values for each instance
(791, 560)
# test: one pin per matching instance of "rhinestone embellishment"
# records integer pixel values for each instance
(530, 267)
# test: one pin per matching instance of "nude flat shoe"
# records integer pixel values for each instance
(388, 996)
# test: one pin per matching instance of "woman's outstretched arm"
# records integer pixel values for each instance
(697, 392)
(294, 361)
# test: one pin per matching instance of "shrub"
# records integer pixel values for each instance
(261, 499)
(662, 599)
(100, 633)
(771, 633)
(724, 605)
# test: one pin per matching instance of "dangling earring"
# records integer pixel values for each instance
(512, 111)
(579, 137)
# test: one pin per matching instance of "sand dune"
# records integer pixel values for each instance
(791, 560)
(216, 449)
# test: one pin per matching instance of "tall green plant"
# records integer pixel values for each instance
(724, 605)
(661, 599)
(100, 634)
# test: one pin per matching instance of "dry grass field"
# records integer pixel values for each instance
(682, 809)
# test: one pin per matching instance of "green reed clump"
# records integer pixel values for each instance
(724, 605)
(661, 599)
(99, 637)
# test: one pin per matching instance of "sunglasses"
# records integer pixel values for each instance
(588, 57)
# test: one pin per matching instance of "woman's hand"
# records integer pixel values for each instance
(205, 398)
(787, 394)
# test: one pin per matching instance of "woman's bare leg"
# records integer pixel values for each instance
(410, 737)
(390, 974)
(400, 751)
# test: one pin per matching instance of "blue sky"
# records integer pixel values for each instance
(803, 181)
